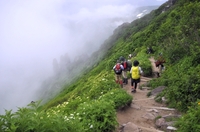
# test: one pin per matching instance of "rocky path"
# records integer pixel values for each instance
(141, 115)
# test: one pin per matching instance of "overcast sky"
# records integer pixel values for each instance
(33, 33)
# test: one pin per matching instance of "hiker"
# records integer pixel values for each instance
(129, 62)
(149, 50)
(124, 72)
(136, 72)
(118, 68)
(159, 64)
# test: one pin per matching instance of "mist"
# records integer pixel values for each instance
(33, 34)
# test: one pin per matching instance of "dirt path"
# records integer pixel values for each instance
(138, 112)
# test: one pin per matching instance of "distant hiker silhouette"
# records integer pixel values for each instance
(118, 68)
(129, 62)
(136, 72)
(149, 50)
(159, 64)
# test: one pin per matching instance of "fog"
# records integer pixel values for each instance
(34, 33)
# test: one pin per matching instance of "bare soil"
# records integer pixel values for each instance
(141, 104)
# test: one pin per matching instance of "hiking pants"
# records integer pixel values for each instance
(160, 69)
(134, 82)
(118, 78)
(124, 73)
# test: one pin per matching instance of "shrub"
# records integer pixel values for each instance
(189, 122)
(119, 97)
(97, 116)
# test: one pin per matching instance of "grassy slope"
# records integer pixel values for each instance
(175, 33)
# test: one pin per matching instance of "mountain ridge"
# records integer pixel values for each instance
(91, 101)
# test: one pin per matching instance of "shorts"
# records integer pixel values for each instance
(135, 80)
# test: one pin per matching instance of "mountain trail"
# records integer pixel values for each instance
(141, 114)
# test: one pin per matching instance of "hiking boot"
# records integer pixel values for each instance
(127, 81)
(133, 90)
(117, 81)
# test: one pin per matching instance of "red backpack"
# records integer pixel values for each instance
(157, 63)
(118, 69)
(125, 64)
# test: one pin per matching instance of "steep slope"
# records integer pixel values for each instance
(90, 103)
(143, 111)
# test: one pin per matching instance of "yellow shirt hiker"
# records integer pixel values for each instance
(136, 72)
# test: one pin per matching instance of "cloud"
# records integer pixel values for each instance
(33, 33)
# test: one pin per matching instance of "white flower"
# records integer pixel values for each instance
(65, 117)
(91, 126)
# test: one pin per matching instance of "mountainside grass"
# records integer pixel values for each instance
(90, 103)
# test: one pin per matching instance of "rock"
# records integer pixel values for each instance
(150, 116)
(131, 127)
(164, 100)
(171, 123)
(157, 90)
(135, 106)
(160, 122)
(171, 116)
(171, 128)
(152, 110)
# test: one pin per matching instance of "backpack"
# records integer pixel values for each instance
(157, 63)
(135, 72)
(129, 65)
(125, 64)
(118, 69)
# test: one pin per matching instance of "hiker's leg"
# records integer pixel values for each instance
(123, 74)
(132, 85)
(157, 74)
(135, 86)
(120, 80)
(138, 83)
(159, 70)
(117, 78)
(125, 77)
(126, 80)
(132, 82)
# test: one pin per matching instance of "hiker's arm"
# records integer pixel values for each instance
(141, 72)
(122, 67)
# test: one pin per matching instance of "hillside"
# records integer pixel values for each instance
(91, 101)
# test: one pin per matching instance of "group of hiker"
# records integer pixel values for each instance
(123, 65)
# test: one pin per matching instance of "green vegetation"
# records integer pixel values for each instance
(189, 122)
(90, 103)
